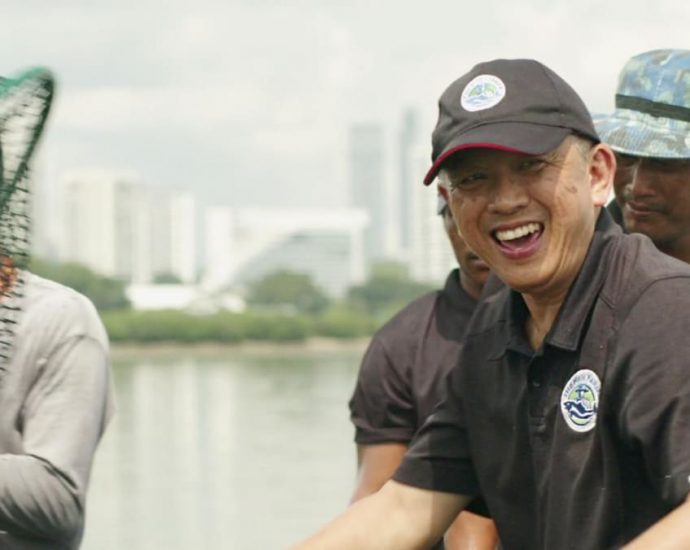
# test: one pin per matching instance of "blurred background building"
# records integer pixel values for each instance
(172, 249)
(244, 245)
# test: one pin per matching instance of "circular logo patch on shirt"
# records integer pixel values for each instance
(580, 400)
(483, 92)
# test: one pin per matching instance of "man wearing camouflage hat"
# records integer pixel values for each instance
(650, 133)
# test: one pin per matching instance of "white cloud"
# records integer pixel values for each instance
(134, 108)
(234, 90)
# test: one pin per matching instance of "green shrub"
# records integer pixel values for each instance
(342, 322)
(172, 325)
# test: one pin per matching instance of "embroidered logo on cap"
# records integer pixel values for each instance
(580, 400)
(483, 92)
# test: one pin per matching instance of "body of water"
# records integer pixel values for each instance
(231, 449)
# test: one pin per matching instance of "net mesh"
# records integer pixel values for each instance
(24, 106)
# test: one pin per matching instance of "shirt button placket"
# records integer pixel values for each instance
(536, 389)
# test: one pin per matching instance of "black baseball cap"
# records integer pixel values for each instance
(516, 105)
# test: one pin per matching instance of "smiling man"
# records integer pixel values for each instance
(569, 412)
(650, 133)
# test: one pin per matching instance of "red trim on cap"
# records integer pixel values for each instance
(431, 174)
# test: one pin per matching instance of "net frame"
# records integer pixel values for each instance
(25, 103)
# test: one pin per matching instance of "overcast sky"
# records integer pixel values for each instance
(248, 102)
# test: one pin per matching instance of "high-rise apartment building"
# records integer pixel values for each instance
(121, 228)
(431, 254)
(219, 247)
(102, 220)
(366, 160)
(172, 233)
(184, 237)
(407, 182)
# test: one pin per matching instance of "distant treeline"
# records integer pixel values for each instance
(170, 325)
(282, 306)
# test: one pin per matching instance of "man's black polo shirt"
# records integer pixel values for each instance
(401, 375)
(586, 442)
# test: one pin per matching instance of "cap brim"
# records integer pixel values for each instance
(635, 133)
(514, 137)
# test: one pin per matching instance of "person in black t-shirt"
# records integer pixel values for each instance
(401, 375)
(569, 410)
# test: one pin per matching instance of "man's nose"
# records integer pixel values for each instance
(509, 195)
(641, 183)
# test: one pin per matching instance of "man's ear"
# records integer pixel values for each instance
(602, 169)
(443, 191)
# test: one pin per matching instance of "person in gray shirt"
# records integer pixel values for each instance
(55, 382)
(55, 401)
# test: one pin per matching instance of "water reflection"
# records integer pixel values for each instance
(230, 450)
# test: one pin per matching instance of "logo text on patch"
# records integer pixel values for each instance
(580, 400)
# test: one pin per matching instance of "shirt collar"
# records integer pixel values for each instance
(567, 329)
(457, 296)
(572, 317)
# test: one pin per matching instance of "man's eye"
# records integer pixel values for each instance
(625, 161)
(532, 164)
(467, 180)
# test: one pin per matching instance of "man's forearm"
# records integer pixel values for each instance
(670, 533)
(37, 500)
(376, 464)
(398, 517)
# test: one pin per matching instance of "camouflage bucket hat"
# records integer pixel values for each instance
(652, 115)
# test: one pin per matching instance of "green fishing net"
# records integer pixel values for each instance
(25, 102)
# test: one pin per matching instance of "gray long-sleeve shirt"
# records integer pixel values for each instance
(55, 401)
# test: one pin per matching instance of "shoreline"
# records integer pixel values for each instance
(319, 345)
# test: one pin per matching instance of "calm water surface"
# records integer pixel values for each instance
(235, 449)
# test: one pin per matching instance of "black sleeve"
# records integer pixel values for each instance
(655, 345)
(382, 407)
(439, 458)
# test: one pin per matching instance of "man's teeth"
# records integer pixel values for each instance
(510, 234)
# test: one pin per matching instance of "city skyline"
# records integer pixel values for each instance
(123, 227)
